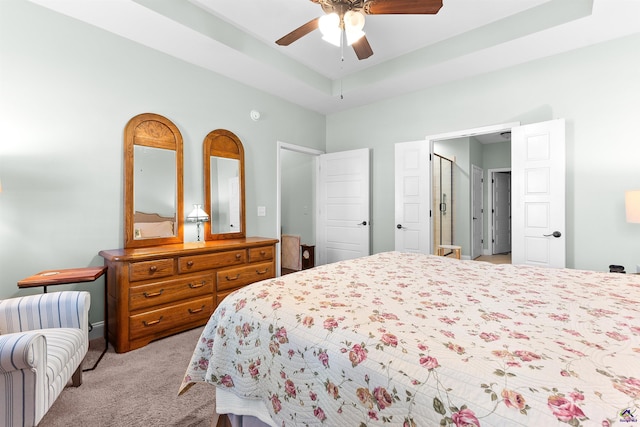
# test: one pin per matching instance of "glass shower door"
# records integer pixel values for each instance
(442, 201)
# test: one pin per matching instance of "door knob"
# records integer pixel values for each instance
(399, 227)
(363, 223)
(554, 234)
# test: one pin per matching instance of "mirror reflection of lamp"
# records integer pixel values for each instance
(632, 202)
(198, 216)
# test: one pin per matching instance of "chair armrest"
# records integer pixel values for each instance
(66, 309)
(21, 351)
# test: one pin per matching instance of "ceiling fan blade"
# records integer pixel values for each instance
(362, 48)
(299, 32)
(406, 7)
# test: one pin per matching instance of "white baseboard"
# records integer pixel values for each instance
(97, 331)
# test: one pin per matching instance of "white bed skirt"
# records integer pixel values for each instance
(242, 412)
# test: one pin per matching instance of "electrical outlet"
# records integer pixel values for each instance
(262, 211)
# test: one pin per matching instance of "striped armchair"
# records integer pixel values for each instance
(43, 340)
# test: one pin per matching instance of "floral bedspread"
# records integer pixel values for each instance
(420, 340)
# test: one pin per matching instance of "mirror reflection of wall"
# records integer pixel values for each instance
(155, 181)
(225, 185)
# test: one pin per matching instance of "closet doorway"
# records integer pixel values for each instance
(296, 195)
(327, 193)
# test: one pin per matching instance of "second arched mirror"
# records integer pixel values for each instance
(223, 156)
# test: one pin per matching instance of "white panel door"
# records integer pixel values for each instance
(477, 211)
(343, 206)
(501, 212)
(538, 191)
(412, 197)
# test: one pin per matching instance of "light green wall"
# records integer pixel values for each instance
(595, 89)
(496, 155)
(67, 91)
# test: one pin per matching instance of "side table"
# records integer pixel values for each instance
(67, 276)
(455, 250)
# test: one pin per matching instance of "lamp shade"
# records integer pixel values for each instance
(330, 28)
(197, 215)
(353, 24)
(632, 202)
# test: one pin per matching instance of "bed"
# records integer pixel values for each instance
(420, 340)
(152, 225)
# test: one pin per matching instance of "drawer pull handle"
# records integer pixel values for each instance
(238, 256)
(196, 310)
(189, 263)
(153, 269)
(234, 278)
(197, 285)
(153, 294)
(263, 253)
(262, 272)
(153, 322)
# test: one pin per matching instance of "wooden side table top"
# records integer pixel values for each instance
(61, 277)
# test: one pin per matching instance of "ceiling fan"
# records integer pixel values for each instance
(348, 16)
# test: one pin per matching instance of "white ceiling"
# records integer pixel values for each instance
(236, 38)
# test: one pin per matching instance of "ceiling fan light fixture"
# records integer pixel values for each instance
(330, 28)
(353, 20)
(353, 25)
(353, 36)
(333, 37)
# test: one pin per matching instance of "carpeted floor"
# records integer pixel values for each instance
(138, 388)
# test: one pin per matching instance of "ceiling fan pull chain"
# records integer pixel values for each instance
(341, 61)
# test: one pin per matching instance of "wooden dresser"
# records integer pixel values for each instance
(157, 291)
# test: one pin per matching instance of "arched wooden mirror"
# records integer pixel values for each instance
(153, 198)
(223, 156)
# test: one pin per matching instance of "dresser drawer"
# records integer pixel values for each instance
(211, 261)
(235, 277)
(156, 322)
(261, 254)
(145, 270)
(158, 293)
(222, 295)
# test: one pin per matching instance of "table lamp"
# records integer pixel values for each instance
(198, 216)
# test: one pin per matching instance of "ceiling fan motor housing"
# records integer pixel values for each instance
(366, 7)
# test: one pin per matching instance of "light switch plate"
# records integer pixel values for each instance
(262, 211)
(638, 268)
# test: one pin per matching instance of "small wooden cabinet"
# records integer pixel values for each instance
(157, 291)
